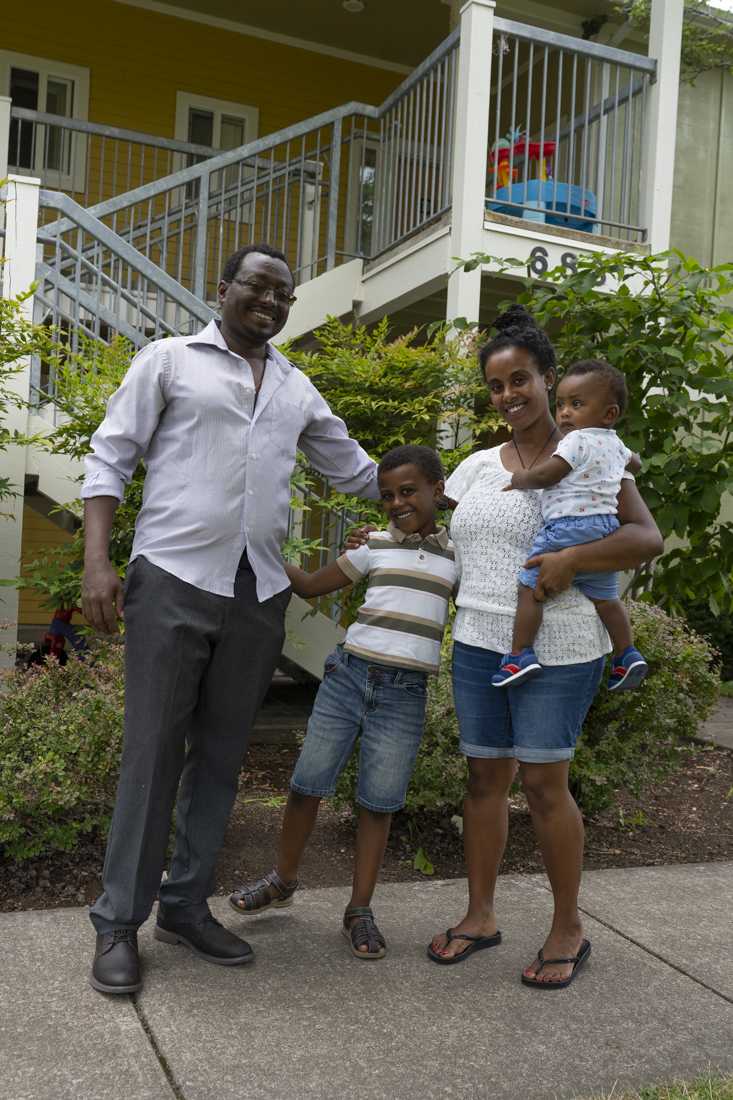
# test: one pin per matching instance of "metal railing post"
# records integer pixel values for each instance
(657, 179)
(200, 253)
(333, 194)
(18, 273)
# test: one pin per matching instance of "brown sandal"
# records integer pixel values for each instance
(259, 896)
(363, 932)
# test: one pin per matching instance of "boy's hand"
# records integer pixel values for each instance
(358, 536)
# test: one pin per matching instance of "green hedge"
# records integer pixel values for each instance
(59, 752)
(62, 734)
(628, 740)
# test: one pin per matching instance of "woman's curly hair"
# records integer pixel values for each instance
(516, 328)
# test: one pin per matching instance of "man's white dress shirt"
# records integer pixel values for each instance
(218, 461)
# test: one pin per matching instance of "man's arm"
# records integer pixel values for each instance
(101, 592)
(540, 476)
(328, 579)
(326, 442)
(118, 444)
(637, 540)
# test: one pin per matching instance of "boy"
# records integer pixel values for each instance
(580, 484)
(374, 683)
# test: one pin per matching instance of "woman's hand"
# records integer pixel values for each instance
(358, 536)
(557, 572)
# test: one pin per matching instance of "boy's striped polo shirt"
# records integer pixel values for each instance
(411, 580)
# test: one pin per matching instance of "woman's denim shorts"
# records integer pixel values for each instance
(387, 706)
(537, 722)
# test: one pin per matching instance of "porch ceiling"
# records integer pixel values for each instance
(403, 32)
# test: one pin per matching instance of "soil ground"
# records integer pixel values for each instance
(686, 819)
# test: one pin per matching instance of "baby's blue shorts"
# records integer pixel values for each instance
(557, 534)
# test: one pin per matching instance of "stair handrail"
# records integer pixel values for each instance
(116, 133)
(79, 217)
(222, 160)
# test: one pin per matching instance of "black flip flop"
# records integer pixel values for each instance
(476, 943)
(576, 960)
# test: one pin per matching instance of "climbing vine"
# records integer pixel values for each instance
(707, 35)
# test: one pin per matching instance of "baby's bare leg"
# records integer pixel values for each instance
(527, 620)
(615, 618)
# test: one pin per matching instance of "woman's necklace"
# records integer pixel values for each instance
(519, 453)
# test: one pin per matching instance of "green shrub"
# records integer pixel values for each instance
(59, 752)
(718, 629)
(629, 739)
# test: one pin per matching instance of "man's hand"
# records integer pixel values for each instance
(358, 536)
(101, 597)
(557, 572)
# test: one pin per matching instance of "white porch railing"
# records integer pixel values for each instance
(359, 180)
(566, 129)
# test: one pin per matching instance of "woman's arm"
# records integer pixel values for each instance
(320, 583)
(636, 541)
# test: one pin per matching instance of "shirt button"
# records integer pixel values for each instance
(250, 492)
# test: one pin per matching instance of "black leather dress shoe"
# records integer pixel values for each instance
(207, 938)
(116, 966)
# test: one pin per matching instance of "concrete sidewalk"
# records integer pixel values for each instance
(307, 1020)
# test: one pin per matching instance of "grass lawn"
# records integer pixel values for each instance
(707, 1087)
(726, 688)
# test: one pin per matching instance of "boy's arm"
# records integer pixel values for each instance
(328, 579)
(541, 476)
(634, 464)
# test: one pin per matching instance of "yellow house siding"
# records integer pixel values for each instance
(39, 534)
(139, 59)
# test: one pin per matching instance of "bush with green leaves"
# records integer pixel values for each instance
(59, 752)
(19, 338)
(629, 738)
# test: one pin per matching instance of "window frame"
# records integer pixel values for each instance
(219, 107)
(78, 77)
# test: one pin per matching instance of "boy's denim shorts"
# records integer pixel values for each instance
(387, 706)
(556, 534)
(537, 722)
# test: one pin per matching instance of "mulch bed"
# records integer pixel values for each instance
(688, 818)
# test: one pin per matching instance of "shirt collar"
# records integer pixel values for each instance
(439, 537)
(211, 336)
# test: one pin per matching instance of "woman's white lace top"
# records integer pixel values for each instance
(492, 532)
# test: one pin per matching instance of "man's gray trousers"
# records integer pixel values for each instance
(197, 667)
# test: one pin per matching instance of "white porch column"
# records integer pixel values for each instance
(470, 153)
(665, 37)
(5, 104)
(18, 272)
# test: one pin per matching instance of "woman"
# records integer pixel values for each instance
(534, 727)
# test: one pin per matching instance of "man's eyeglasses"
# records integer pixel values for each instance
(282, 297)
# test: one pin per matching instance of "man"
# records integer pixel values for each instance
(217, 418)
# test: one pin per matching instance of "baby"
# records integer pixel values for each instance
(580, 484)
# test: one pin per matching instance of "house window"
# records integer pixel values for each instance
(54, 153)
(360, 205)
(214, 122)
(219, 124)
